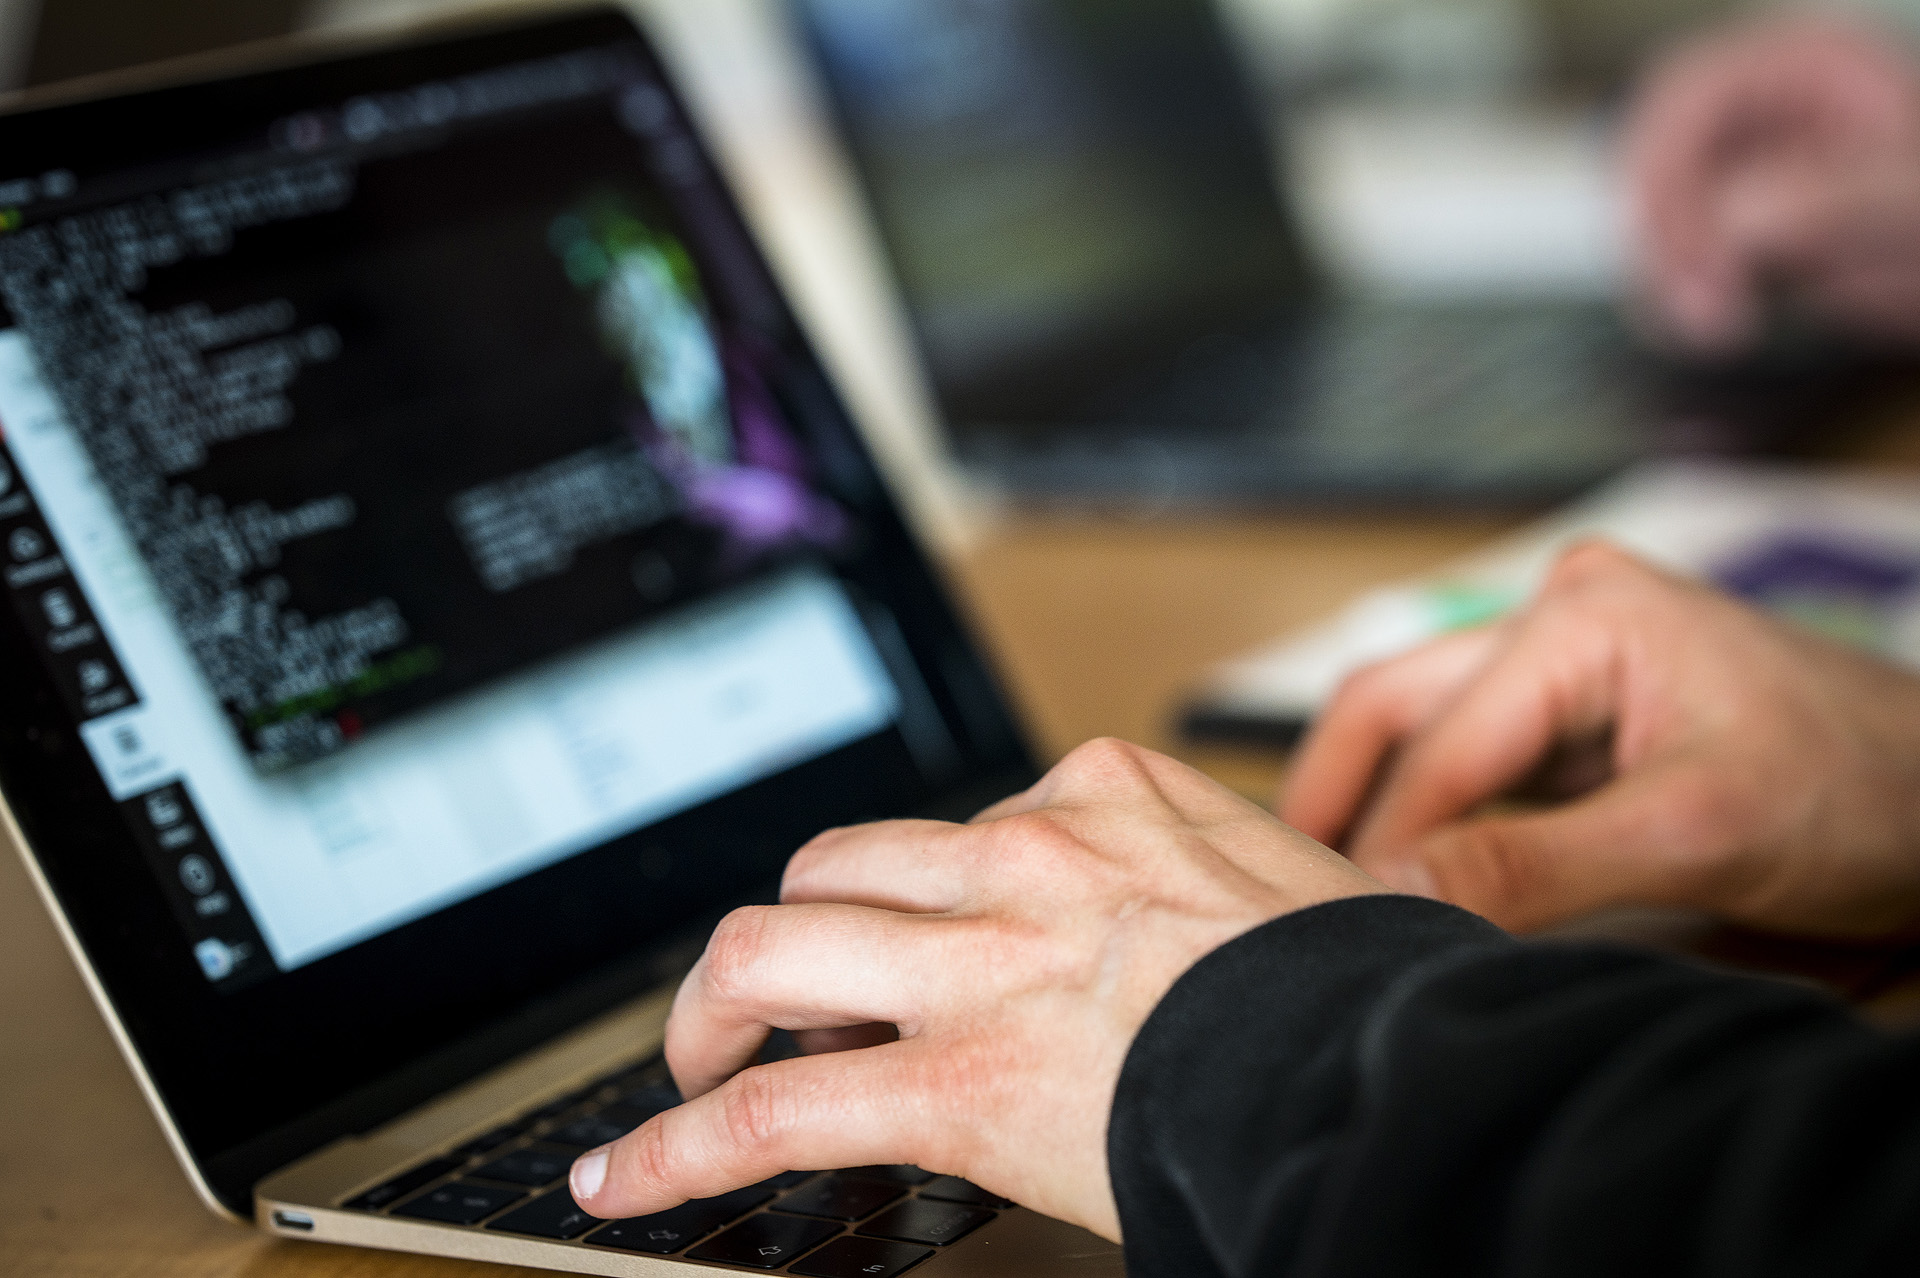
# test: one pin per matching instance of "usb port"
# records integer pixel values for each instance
(298, 1220)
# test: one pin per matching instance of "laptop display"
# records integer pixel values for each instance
(1071, 191)
(442, 571)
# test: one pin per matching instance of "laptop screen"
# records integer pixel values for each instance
(417, 489)
(1068, 189)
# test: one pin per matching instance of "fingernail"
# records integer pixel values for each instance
(589, 1173)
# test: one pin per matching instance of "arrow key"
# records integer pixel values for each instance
(862, 1258)
(766, 1242)
(669, 1231)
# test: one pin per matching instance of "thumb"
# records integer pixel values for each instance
(1528, 871)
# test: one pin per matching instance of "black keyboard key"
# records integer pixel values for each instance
(766, 1242)
(535, 1165)
(400, 1186)
(590, 1132)
(841, 1197)
(460, 1203)
(787, 1180)
(660, 1235)
(925, 1221)
(651, 1100)
(861, 1258)
(954, 1190)
(555, 1216)
(669, 1231)
(905, 1175)
(732, 1206)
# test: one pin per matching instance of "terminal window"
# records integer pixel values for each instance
(392, 411)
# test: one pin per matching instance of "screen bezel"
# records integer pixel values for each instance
(253, 1078)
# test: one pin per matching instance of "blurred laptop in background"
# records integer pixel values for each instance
(1115, 301)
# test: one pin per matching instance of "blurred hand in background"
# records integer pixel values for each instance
(1779, 163)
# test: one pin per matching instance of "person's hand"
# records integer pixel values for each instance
(1779, 163)
(1732, 763)
(1017, 956)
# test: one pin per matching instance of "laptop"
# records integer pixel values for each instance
(1113, 300)
(442, 583)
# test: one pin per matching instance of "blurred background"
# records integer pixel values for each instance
(1432, 149)
(1492, 113)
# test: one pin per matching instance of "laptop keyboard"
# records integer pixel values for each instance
(868, 1222)
(1448, 405)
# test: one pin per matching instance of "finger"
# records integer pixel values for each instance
(1880, 299)
(1554, 682)
(1844, 241)
(1802, 215)
(853, 1109)
(911, 867)
(802, 967)
(1698, 286)
(1371, 714)
(1631, 843)
(1848, 241)
(1673, 159)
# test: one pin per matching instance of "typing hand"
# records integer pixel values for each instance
(1779, 159)
(1017, 957)
(1732, 763)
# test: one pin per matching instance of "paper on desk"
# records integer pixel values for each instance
(1839, 552)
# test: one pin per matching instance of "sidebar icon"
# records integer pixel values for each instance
(48, 598)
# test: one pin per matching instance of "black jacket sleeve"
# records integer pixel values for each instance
(1388, 1086)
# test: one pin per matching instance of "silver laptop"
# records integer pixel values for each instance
(443, 583)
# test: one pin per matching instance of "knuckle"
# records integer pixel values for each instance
(755, 1111)
(802, 865)
(641, 1162)
(1702, 817)
(1487, 869)
(1588, 561)
(1510, 872)
(1363, 687)
(734, 952)
(1105, 758)
(1032, 841)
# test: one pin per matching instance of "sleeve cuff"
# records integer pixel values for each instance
(1229, 1099)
